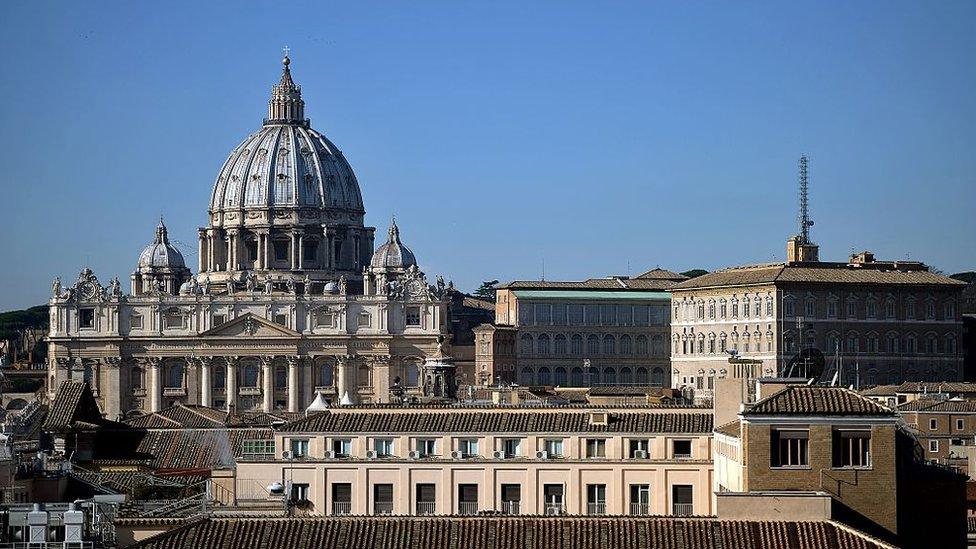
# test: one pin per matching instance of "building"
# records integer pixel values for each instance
(829, 453)
(290, 297)
(865, 321)
(454, 460)
(466, 313)
(607, 331)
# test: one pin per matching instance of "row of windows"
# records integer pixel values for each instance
(507, 448)
(720, 344)
(689, 309)
(608, 345)
(580, 314)
(831, 308)
(553, 501)
(872, 343)
(580, 377)
(850, 448)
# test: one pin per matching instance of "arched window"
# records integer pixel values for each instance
(893, 346)
(723, 309)
(657, 377)
(527, 377)
(576, 377)
(559, 376)
(832, 343)
(911, 344)
(545, 377)
(609, 345)
(594, 374)
(641, 377)
(577, 344)
(525, 344)
(250, 373)
(657, 345)
(642, 345)
(889, 309)
(542, 344)
(950, 346)
(745, 307)
(609, 376)
(871, 378)
(626, 345)
(853, 343)
(711, 308)
(626, 376)
(931, 344)
(560, 344)
(592, 345)
(174, 375)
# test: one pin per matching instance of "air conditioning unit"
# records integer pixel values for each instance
(640, 454)
(542, 454)
(413, 454)
(499, 454)
(370, 454)
(287, 454)
(457, 454)
(330, 455)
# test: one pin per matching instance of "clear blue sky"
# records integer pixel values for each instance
(599, 139)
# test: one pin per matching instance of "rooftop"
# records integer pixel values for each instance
(818, 401)
(507, 533)
(654, 279)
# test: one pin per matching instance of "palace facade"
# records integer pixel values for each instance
(290, 298)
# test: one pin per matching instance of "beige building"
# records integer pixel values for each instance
(290, 298)
(467, 460)
(609, 331)
(867, 321)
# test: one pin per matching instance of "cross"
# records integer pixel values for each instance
(286, 49)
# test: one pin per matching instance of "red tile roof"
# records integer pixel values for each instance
(829, 401)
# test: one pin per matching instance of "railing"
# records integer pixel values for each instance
(467, 508)
(51, 545)
(682, 509)
(596, 508)
(174, 391)
(252, 489)
(511, 507)
(383, 508)
(341, 508)
(640, 509)
(426, 508)
(249, 391)
(555, 509)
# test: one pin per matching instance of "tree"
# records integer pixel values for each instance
(695, 272)
(969, 277)
(487, 290)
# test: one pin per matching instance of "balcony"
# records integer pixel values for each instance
(425, 508)
(249, 391)
(682, 509)
(468, 508)
(555, 509)
(596, 508)
(341, 508)
(174, 391)
(383, 508)
(640, 509)
(511, 507)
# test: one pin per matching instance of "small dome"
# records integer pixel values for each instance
(393, 254)
(161, 254)
(331, 287)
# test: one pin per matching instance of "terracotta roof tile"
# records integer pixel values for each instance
(836, 273)
(74, 402)
(508, 533)
(831, 401)
(732, 429)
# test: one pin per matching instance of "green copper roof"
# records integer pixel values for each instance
(590, 294)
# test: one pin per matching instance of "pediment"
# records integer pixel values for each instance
(250, 325)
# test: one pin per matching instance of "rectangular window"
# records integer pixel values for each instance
(86, 318)
(310, 250)
(933, 446)
(542, 316)
(638, 448)
(413, 316)
(832, 309)
(427, 447)
(554, 447)
(512, 447)
(341, 447)
(852, 448)
(324, 319)
(382, 499)
(933, 424)
(426, 499)
(596, 448)
(575, 314)
(135, 322)
(851, 309)
(640, 499)
(467, 499)
(682, 500)
(299, 492)
(552, 496)
(681, 449)
(280, 250)
(789, 448)
(258, 449)
(625, 314)
(592, 315)
(363, 320)
(281, 320)
(383, 447)
(559, 314)
(596, 499)
(299, 447)
(468, 447)
(341, 498)
(511, 499)
(960, 424)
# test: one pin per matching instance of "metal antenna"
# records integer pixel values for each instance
(805, 221)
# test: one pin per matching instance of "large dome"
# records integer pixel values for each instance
(286, 164)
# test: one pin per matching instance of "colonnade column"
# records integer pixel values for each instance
(155, 387)
(381, 378)
(202, 234)
(230, 383)
(301, 250)
(206, 384)
(293, 383)
(267, 383)
(265, 253)
(345, 377)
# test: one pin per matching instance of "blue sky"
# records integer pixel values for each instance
(596, 139)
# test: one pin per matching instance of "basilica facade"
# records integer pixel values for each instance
(290, 300)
